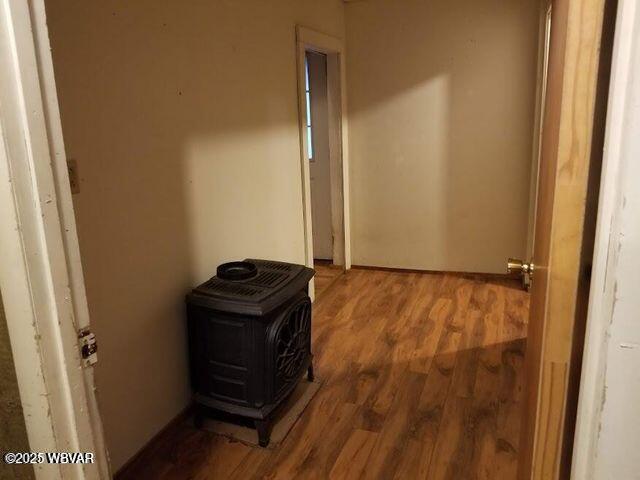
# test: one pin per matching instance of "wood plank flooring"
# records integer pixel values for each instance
(422, 377)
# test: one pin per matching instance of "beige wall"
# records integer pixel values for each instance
(182, 117)
(441, 109)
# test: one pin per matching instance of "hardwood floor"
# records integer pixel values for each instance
(326, 274)
(422, 379)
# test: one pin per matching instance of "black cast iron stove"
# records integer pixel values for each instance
(249, 339)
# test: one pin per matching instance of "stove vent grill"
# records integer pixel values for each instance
(227, 288)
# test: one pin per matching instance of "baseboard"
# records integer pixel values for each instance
(501, 276)
(173, 423)
(328, 264)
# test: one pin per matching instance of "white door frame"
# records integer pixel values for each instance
(40, 272)
(307, 39)
(611, 204)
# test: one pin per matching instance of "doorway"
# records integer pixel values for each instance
(323, 156)
(318, 151)
(317, 118)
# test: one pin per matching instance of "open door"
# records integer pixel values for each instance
(556, 266)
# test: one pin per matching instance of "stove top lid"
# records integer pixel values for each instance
(252, 287)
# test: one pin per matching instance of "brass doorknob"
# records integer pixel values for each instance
(515, 265)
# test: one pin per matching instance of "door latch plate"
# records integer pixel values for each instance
(88, 347)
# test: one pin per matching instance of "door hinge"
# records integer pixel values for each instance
(88, 347)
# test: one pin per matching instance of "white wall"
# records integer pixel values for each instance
(441, 109)
(182, 117)
(608, 423)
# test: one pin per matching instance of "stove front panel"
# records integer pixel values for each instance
(289, 345)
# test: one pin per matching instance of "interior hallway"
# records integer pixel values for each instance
(422, 378)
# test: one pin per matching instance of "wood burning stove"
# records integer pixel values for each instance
(249, 339)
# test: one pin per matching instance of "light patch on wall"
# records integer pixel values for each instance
(242, 182)
(440, 176)
(392, 166)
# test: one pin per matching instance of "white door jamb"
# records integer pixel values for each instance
(40, 272)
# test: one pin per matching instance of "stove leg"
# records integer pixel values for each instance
(310, 376)
(264, 435)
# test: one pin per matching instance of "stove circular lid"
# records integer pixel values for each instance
(235, 271)
(273, 284)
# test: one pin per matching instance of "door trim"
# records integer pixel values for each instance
(333, 48)
(40, 271)
(605, 259)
